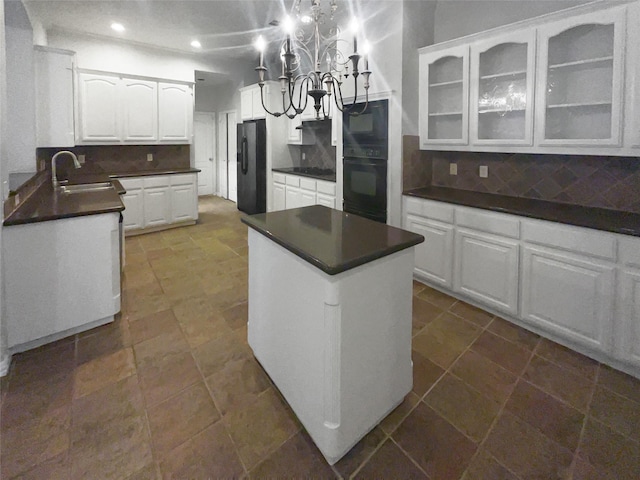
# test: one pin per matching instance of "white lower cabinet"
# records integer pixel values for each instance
(570, 295)
(575, 285)
(294, 191)
(158, 201)
(433, 257)
(486, 269)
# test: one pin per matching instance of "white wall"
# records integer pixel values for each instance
(217, 98)
(457, 18)
(113, 56)
(21, 130)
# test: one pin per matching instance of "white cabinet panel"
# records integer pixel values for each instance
(433, 257)
(486, 269)
(139, 110)
(133, 215)
(307, 198)
(251, 102)
(99, 101)
(54, 98)
(628, 330)
(569, 295)
(258, 109)
(183, 203)
(279, 202)
(175, 112)
(326, 200)
(157, 206)
(293, 197)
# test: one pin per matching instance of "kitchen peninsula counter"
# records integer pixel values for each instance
(615, 221)
(330, 318)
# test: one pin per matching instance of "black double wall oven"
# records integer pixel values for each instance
(365, 154)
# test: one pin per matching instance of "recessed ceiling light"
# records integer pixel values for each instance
(196, 44)
(118, 27)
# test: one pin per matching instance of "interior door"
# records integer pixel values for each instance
(231, 148)
(227, 149)
(204, 141)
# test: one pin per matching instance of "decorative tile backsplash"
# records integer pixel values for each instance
(321, 154)
(594, 181)
(119, 158)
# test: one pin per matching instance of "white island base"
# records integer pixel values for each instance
(338, 347)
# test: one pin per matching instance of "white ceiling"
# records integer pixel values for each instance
(225, 28)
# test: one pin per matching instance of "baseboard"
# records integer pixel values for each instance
(5, 363)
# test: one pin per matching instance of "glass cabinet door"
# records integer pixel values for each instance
(580, 83)
(502, 73)
(444, 97)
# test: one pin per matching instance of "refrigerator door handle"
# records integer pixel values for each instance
(244, 166)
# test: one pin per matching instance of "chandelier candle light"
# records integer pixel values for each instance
(317, 48)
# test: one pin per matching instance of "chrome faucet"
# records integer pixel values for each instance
(54, 178)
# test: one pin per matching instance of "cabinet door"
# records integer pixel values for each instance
(326, 200)
(632, 103)
(502, 81)
(175, 112)
(139, 110)
(444, 97)
(307, 198)
(133, 214)
(256, 100)
(569, 295)
(279, 199)
(628, 318)
(183, 203)
(433, 257)
(99, 106)
(157, 206)
(54, 99)
(292, 197)
(580, 67)
(294, 136)
(246, 104)
(486, 269)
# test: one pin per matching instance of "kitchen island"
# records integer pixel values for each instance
(330, 318)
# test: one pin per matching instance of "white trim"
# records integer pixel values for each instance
(5, 363)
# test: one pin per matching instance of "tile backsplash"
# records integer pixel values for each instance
(120, 158)
(321, 154)
(594, 181)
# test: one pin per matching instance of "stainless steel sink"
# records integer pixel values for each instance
(87, 187)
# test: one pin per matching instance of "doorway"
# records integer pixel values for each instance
(227, 149)
(205, 147)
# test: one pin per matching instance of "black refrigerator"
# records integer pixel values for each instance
(252, 166)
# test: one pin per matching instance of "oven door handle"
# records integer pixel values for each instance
(368, 164)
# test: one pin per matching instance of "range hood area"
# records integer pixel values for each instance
(315, 125)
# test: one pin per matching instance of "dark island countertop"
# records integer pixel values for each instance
(615, 221)
(94, 177)
(325, 174)
(329, 239)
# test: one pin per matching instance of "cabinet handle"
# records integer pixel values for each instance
(210, 159)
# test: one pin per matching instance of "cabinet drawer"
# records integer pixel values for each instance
(182, 179)
(328, 188)
(496, 223)
(278, 177)
(293, 180)
(574, 239)
(308, 184)
(430, 209)
(629, 251)
(156, 181)
(131, 183)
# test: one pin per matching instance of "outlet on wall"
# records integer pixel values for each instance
(149, 157)
(304, 156)
(484, 171)
(81, 159)
(453, 169)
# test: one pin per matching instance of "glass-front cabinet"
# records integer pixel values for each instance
(502, 84)
(444, 97)
(580, 84)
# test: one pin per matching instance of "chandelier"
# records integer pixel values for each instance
(312, 44)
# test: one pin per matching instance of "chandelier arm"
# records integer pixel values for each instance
(274, 114)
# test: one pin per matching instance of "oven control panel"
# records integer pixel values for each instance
(365, 151)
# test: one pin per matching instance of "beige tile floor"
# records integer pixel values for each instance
(171, 390)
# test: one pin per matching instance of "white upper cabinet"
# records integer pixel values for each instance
(444, 97)
(99, 104)
(54, 97)
(565, 83)
(502, 84)
(175, 112)
(139, 110)
(580, 85)
(116, 109)
(251, 102)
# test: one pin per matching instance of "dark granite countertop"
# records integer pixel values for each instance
(46, 204)
(311, 172)
(591, 217)
(329, 239)
(82, 177)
